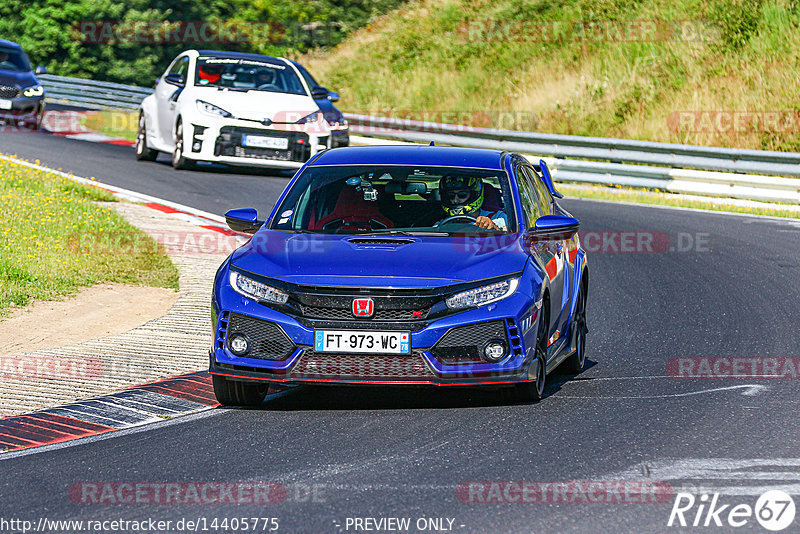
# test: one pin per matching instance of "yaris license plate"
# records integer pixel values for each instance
(260, 141)
(362, 341)
(5, 104)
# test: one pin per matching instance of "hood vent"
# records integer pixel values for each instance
(379, 242)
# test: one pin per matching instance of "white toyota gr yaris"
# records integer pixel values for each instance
(238, 109)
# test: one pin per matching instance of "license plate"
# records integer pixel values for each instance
(5, 104)
(362, 341)
(260, 141)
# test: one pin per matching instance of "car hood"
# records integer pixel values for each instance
(259, 105)
(21, 79)
(336, 260)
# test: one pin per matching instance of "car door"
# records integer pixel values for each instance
(167, 100)
(551, 254)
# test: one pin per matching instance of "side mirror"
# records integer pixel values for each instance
(553, 228)
(175, 79)
(40, 70)
(333, 97)
(548, 180)
(243, 220)
(319, 93)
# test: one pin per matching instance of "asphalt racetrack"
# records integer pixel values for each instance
(668, 315)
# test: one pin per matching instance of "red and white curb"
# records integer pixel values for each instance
(136, 406)
(69, 124)
(94, 137)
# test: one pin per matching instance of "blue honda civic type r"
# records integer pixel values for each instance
(403, 265)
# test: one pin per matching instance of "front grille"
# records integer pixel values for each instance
(313, 364)
(464, 344)
(268, 340)
(346, 314)
(407, 307)
(229, 143)
(9, 91)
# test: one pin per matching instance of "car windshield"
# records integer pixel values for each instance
(397, 199)
(248, 75)
(14, 59)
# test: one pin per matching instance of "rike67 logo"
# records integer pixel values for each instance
(774, 510)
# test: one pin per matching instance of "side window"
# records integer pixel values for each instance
(527, 196)
(545, 199)
(180, 67)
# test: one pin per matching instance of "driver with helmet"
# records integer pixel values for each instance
(264, 78)
(209, 73)
(464, 195)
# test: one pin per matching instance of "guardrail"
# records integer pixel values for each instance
(574, 146)
(724, 172)
(92, 94)
(665, 166)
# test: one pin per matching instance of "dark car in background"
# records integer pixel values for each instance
(21, 94)
(340, 130)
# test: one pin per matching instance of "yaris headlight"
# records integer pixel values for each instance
(36, 90)
(310, 118)
(256, 290)
(483, 295)
(211, 109)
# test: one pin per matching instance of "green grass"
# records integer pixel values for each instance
(426, 60)
(641, 196)
(55, 238)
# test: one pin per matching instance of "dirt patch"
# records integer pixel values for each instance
(92, 313)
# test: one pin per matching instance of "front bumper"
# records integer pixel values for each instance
(24, 110)
(444, 352)
(221, 141)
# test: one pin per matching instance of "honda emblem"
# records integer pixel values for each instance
(363, 307)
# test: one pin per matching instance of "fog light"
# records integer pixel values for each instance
(239, 344)
(494, 351)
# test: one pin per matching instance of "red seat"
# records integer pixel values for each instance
(352, 210)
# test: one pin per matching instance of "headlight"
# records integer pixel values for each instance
(36, 90)
(311, 117)
(256, 290)
(482, 295)
(211, 109)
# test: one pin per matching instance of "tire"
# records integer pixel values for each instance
(143, 153)
(234, 393)
(533, 390)
(574, 363)
(179, 161)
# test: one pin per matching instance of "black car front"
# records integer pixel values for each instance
(21, 94)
